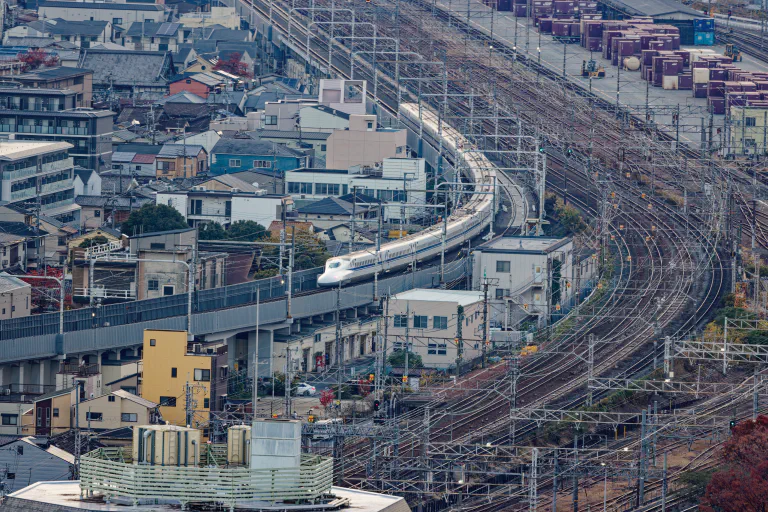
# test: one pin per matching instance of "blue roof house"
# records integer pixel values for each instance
(237, 155)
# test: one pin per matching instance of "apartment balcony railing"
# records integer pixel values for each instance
(19, 173)
(20, 195)
(56, 187)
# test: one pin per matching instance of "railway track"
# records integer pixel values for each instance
(647, 278)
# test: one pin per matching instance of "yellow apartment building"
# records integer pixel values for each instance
(176, 377)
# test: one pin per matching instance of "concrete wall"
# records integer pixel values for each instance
(363, 146)
(15, 303)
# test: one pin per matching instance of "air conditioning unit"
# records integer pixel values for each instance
(199, 188)
(236, 190)
(7, 391)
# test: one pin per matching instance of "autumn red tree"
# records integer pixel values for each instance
(742, 486)
(33, 59)
(233, 66)
(326, 397)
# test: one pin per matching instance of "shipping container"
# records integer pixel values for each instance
(685, 82)
(669, 83)
(716, 105)
(699, 90)
(704, 25)
(704, 38)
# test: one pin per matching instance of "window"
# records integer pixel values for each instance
(323, 147)
(47, 416)
(262, 164)
(173, 373)
(97, 213)
(442, 349)
(327, 189)
(228, 209)
(271, 120)
(10, 419)
(168, 290)
(129, 417)
(168, 401)
(93, 416)
(117, 21)
(750, 121)
(299, 188)
(432, 349)
(370, 125)
(401, 321)
(158, 246)
(440, 322)
(111, 398)
(152, 343)
(39, 416)
(206, 403)
(55, 412)
(502, 266)
(202, 375)
(235, 162)
(318, 338)
(420, 322)
(153, 285)
(501, 293)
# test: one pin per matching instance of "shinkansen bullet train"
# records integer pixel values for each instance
(464, 223)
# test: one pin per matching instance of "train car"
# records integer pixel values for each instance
(463, 224)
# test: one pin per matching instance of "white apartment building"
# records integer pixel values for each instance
(431, 322)
(364, 144)
(530, 276)
(344, 95)
(395, 180)
(200, 205)
(224, 16)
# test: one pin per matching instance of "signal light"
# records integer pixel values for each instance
(311, 419)
(405, 379)
(733, 423)
(541, 149)
(376, 405)
(371, 377)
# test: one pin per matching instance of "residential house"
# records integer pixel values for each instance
(330, 212)
(135, 159)
(202, 63)
(233, 155)
(226, 200)
(431, 318)
(284, 114)
(87, 182)
(364, 144)
(72, 79)
(129, 74)
(170, 364)
(11, 412)
(55, 243)
(30, 460)
(73, 244)
(15, 297)
(202, 84)
(81, 33)
(13, 251)
(298, 139)
(120, 14)
(208, 139)
(229, 35)
(152, 36)
(37, 114)
(51, 412)
(96, 211)
(181, 161)
(117, 409)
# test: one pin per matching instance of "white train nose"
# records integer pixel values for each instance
(327, 279)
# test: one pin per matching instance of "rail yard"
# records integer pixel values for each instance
(558, 302)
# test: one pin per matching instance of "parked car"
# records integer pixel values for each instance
(304, 389)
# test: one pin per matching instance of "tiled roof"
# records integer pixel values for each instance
(128, 68)
(173, 150)
(153, 29)
(9, 283)
(253, 147)
(328, 206)
(143, 159)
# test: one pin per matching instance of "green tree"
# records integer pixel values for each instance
(212, 231)
(571, 219)
(96, 240)
(397, 358)
(153, 217)
(246, 231)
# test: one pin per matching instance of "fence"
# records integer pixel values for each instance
(106, 472)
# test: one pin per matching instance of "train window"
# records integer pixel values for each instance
(334, 264)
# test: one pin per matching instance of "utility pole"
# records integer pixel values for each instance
(78, 440)
(407, 341)
(288, 381)
(485, 322)
(459, 339)
(339, 351)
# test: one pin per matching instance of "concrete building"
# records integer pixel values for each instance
(115, 410)
(227, 17)
(345, 95)
(532, 277)
(15, 297)
(364, 144)
(747, 131)
(171, 367)
(431, 321)
(82, 34)
(61, 78)
(284, 114)
(117, 13)
(39, 171)
(394, 180)
(227, 203)
(42, 114)
(321, 118)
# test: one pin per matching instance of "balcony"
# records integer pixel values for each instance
(58, 165)
(70, 130)
(21, 195)
(24, 128)
(55, 187)
(19, 173)
(58, 204)
(81, 370)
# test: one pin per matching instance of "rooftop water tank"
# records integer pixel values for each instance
(239, 445)
(166, 445)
